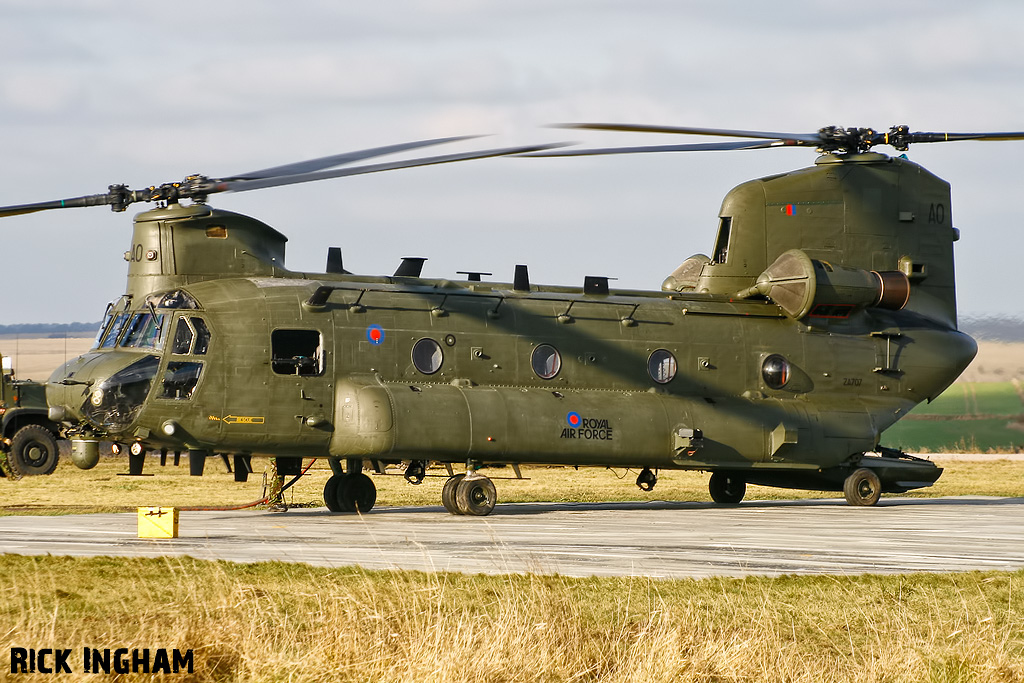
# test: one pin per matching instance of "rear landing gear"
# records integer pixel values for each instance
(469, 494)
(448, 493)
(726, 488)
(351, 491)
(863, 487)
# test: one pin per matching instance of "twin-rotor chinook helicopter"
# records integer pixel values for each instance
(825, 312)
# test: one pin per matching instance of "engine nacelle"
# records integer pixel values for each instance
(803, 286)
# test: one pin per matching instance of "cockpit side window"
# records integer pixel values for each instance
(202, 336)
(191, 335)
(296, 352)
(180, 380)
(183, 336)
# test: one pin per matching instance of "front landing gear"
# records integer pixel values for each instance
(646, 480)
(469, 494)
(352, 491)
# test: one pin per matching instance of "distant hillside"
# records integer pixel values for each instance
(991, 328)
(50, 329)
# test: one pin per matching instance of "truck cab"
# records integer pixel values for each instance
(28, 439)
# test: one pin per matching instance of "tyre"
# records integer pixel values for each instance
(727, 488)
(356, 493)
(331, 493)
(476, 496)
(448, 493)
(863, 487)
(33, 451)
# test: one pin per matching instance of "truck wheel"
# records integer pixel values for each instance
(33, 451)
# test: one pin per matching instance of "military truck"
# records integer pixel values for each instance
(28, 440)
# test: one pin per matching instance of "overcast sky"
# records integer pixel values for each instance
(94, 92)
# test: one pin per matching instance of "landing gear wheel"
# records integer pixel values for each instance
(646, 480)
(863, 487)
(448, 493)
(356, 493)
(33, 451)
(726, 488)
(331, 493)
(476, 496)
(416, 471)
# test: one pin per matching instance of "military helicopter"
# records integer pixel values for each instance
(825, 312)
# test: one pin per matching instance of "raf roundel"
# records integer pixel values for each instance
(574, 419)
(375, 334)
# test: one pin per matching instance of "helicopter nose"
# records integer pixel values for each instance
(67, 384)
(102, 392)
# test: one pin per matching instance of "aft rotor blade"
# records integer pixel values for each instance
(954, 137)
(695, 147)
(339, 159)
(809, 138)
(246, 185)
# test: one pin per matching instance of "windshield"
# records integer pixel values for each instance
(103, 328)
(145, 331)
(114, 331)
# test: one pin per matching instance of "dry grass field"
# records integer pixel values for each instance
(996, 362)
(284, 622)
(37, 357)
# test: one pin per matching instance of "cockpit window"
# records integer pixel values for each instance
(103, 328)
(183, 336)
(114, 331)
(174, 299)
(145, 331)
(296, 352)
(180, 380)
(191, 336)
(722, 243)
(202, 336)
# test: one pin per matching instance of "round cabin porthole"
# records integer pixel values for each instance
(546, 361)
(427, 356)
(775, 371)
(662, 366)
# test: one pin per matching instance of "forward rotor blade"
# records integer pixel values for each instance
(695, 147)
(809, 138)
(198, 187)
(339, 159)
(74, 202)
(259, 183)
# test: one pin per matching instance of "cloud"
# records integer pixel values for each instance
(94, 92)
